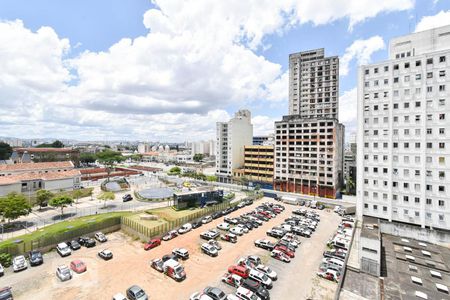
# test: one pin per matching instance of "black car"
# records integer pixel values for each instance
(257, 288)
(196, 224)
(6, 293)
(215, 293)
(86, 241)
(127, 198)
(169, 256)
(74, 245)
(35, 258)
(216, 215)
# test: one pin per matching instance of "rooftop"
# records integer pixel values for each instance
(53, 175)
(36, 150)
(36, 166)
(370, 228)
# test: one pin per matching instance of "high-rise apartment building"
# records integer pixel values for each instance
(232, 136)
(403, 156)
(309, 141)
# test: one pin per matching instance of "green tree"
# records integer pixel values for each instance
(5, 151)
(198, 157)
(136, 157)
(211, 178)
(106, 196)
(175, 171)
(57, 144)
(43, 196)
(13, 206)
(77, 194)
(109, 158)
(88, 158)
(61, 202)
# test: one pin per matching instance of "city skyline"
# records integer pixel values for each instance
(80, 85)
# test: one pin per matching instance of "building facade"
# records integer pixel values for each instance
(404, 132)
(25, 155)
(232, 136)
(258, 166)
(309, 141)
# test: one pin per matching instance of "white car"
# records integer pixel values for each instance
(185, 228)
(209, 249)
(224, 226)
(99, 236)
(63, 249)
(2, 271)
(119, 296)
(244, 228)
(261, 277)
(291, 241)
(200, 296)
(245, 294)
(63, 273)
(206, 219)
(237, 230)
(19, 263)
(268, 271)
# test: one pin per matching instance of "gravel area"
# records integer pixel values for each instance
(130, 265)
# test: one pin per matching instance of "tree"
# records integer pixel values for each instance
(5, 151)
(106, 196)
(61, 202)
(77, 194)
(211, 178)
(198, 157)
(42, 197)
(175, 171)
(88, 158)
(109, 158)
(13, 206)
(55, 144)
(136, 157)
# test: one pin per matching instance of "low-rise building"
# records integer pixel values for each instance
(25, 155)
(258, 165)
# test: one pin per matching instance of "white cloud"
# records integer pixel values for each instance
(348, 109)
(263, 125)
(361, 50)
(197, 60)
(428, 22)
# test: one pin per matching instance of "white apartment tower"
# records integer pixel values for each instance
(403, 156)
(232, 136)
(309, 141)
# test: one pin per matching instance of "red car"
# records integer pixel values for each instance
(78, 266)
(285, 250)
(265, 214)
(152, 244)
(239, 270)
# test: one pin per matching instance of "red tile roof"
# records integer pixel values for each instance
(36, 166)
(54, 175)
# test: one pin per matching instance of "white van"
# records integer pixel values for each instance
(333, 261)
(185, 228)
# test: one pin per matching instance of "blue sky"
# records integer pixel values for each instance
(92, 86)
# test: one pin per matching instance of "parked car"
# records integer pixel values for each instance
(280, 256)
(185, 228)
(196, 224)
(63, 249)
(152, 244)
(237, 230)
(119, 296)
(105, 254)
(230, 220)
(244, 228)
(35, 258)
(127, 197)
(254, 259)
(268, 271)
(78, 266)
(208, 235)
(157, 264)
(215, 293)
(329, 275)
(216, 215)
(286, 244)
(285, 250)
(229, 237)
(63, 273)
(261, 277)
(265, 244)
(181, 253)
(199, 296)
(99, 236)
(206, 219)
(86, 241)
(136, 293)
(209, 249)
(169, 256)
(232, 279)
(224, 226)
(257, 288)
(275, 233)
(2, 270)
(74, 245)
(245, 294)
(170, 235)
(19, 263)
(239, 270)
(174, 270)
(215, 244)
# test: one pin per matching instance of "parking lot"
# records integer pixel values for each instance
(130, 265)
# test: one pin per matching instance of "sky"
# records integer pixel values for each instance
(168, 70)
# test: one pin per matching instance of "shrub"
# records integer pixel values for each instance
(5, 259)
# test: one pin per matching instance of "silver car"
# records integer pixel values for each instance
(63, 273)
(19, 263)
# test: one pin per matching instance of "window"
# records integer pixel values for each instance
(366, 71)
(441, 116)
(442, 145)
(441, 130)
(442, 73)
(430, 75)
(406, 65)
(429, 145)
(375, 70)
(417, 103)
(395, 67)
(441, 188)
(386, 81)
(418, 63)
(395, 105)
(428, 201)
(441, 101)
(429, 89)
(386, 68)
(441, 203)
(429, 131)
(442, 59)
(395, 79)
(429, 61)
(406, 78)
(418, 76)
(442, 88)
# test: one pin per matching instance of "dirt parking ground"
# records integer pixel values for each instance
(130, 265)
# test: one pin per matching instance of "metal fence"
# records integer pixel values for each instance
(49, 241)
(149, 232)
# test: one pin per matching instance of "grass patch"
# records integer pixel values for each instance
(170, 214)
(147, 223)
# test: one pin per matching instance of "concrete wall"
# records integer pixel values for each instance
(60, 184)
(434, 236)
(6, 189)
